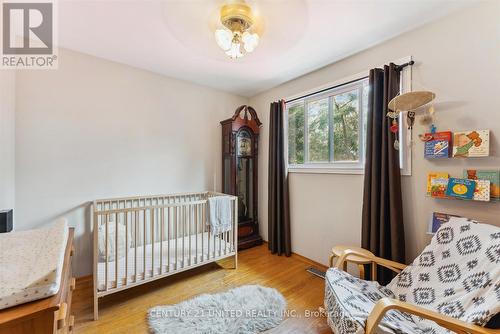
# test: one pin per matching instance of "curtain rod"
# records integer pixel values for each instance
(398, 68)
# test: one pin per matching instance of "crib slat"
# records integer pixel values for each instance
(183, 227)
(168, 239)
(106, 255)
(229, 239)
(175, 235)
(222, 240)
(226, 241)
(228, 235)
(144, 243)
(208, 229)
(196, 232)
(162, 236)
(202, 219)
(214, 244)
(235, 222)
(152, 213)
(189, 208)
(136, 228)
(116, 249)
(220, 243)
(235, 225)
(126, 246)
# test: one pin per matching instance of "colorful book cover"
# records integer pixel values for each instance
(482, 192)
(433, 175)
(475, 143)
(439, 219)
(439, 186)
(439, 146)
(461, 188)
(491, 175)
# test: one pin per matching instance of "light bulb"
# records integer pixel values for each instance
(224, 38)
(235, 51)
(250, 41)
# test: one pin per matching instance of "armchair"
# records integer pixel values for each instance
(453, 286)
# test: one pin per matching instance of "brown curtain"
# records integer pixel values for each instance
(382, 225)
(278, 200)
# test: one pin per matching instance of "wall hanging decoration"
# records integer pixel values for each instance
(408, 102)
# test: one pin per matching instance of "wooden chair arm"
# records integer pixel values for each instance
(386, 304)
(394, 266)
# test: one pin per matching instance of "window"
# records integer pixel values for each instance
(328, 129)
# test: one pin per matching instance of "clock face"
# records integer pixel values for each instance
(244, 146)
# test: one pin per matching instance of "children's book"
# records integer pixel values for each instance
(433, 175)
(439, 219)
(491, 175)
(461, 188)
(439, 146)
(482, 192)
(439, 186)
(475, 143)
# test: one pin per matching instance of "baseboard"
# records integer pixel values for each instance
(84, 278)
(309, 261)
(305, 259)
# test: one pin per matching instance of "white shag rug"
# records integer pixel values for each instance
(248, 309)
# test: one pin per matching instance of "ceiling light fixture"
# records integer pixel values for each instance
(236, 38)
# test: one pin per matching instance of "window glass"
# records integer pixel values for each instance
(296, 134)
(346, 126)
(318, 130)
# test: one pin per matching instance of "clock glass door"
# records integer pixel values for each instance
(244, 176)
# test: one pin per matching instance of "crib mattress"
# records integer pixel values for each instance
(31, 263)
(201, 248)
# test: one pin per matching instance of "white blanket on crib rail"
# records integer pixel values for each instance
(219, 214)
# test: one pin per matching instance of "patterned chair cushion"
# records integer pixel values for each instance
(349, 301)
(457, 274)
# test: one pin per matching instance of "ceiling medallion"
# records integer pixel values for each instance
(236, 38)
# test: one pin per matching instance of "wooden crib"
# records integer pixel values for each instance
(140, 239)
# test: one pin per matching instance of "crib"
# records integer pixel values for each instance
(141, 239)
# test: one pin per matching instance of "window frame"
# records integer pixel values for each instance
(336, 165)
(349, 167)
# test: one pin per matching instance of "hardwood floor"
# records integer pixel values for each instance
(125, 312)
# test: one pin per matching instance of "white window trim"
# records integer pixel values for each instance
(357, 168)
(406, 134)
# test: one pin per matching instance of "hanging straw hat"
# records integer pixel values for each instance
(411, 100)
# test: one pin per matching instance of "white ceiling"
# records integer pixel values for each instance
(175, 38)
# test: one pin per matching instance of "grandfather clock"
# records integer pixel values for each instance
(240, 137)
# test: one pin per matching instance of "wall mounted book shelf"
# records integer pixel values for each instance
(463, 144)
(474, 185)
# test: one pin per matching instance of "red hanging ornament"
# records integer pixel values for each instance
(394, 127)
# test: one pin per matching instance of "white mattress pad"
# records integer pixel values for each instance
(31, 263)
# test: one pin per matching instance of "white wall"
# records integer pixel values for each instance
(456, 57)
(96, 129)
(7, 139)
